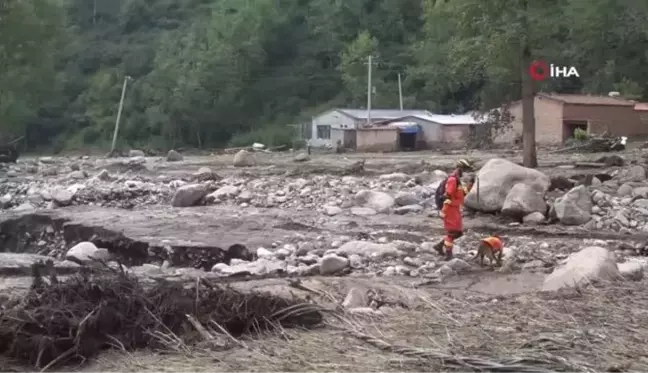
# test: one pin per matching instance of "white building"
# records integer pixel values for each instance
(341, 124)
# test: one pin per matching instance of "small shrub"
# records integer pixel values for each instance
(270, 136)
(580, 134)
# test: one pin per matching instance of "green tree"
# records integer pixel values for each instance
(29, 38)
(494, 43)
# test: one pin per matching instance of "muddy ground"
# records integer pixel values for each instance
(478, 317)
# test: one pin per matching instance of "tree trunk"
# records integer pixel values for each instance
(530, 158)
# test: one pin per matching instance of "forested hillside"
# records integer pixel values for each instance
(213, 72)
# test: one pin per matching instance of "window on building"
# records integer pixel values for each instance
(324, 132)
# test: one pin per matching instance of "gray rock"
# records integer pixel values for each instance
(624, 190)
(136, 153)
(632, 270)
(86, 252)
(189, 195)
(5, 201)
(174, 156)
(62, 197)
(302, 157)
(223, 193)
(331, 264)
(534, 218)
(497, 178)
(78, 175)
(408, 209)
(205, 174)
(590, 264)
(103, 175)
(379, 201)
(355, 298)
(332, 210)
(523, 200)
(366, 248)
(244, 159)
(245, 196)
(406, 199)
(575, 207)
(636, 173)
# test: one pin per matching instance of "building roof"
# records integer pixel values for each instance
(574, 99)
(641, 106)
(449, 119)
(381, 113)
(446, 120)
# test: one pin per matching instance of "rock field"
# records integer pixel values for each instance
(257, 216)
(521, 198)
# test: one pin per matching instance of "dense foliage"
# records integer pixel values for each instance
(213, 72)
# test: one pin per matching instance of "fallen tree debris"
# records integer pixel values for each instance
(63, 321)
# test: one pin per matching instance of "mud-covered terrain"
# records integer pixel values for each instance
(344, 229)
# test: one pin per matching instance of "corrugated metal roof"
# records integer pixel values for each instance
(449, 119)
(378, 114)
(587, 99)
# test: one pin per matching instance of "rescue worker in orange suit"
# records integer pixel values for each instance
(455, 193)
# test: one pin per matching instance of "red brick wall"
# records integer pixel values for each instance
(548, 117)
(616, 120)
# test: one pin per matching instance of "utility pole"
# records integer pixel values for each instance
(94, 12)
(369, 89)
(400, 92)
(119, 112)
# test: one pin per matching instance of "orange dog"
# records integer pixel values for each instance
(492, 248)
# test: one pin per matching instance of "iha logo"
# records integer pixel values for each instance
(540, 70)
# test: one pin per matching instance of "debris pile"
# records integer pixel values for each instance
(59, 322)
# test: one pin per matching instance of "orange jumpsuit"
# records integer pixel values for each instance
(451, 211)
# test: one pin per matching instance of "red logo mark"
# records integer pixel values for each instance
(539, 70)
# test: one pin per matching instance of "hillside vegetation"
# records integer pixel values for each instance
(217, 72)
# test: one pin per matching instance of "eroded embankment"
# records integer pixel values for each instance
(48, 235)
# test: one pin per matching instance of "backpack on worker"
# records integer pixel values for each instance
(440, 193)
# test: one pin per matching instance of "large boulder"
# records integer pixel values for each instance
(189, 195)
(174, 156)
(244, 158)
(575, 207)
(497, 178)
(85, 252)
(379, 201)
(523, 200)
(590, 264)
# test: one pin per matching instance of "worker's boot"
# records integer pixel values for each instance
(448, 255)
(439, 247)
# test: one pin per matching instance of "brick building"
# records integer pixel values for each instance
(558, 115)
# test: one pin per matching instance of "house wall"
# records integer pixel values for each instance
(616, 120)
(548, 118)
(455, 133)
(377, 139)
(346, 137)
(335, 120)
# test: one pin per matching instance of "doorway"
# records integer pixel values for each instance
(407, 140)
(570, 127)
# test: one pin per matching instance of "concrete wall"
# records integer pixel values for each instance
(548, 117)
(346, 137)
(335, 120)
(455, 133)
(383, 139)
(616, 120)
(431, 132)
